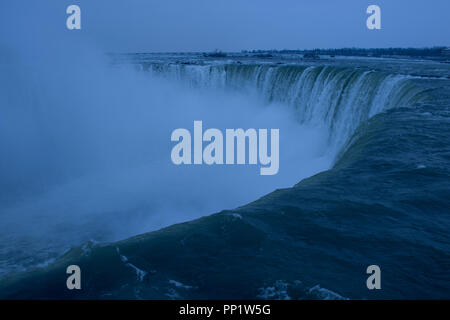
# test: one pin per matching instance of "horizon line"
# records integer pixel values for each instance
(444, 47)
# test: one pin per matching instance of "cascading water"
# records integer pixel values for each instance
(388, 189)
(127, 183)
(338, 98)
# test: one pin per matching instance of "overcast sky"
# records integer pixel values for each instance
(231, 25)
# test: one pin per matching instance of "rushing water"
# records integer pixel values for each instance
(377, 129)
(338, 98)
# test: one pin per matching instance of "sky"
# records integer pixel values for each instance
(232, 25)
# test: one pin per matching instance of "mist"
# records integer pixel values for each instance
(86, 150)
(86, 145)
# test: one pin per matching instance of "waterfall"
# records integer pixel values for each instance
(337, 97)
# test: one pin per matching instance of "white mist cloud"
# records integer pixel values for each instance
(86, 149)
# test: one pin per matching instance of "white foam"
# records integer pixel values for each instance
(276, 292)
(180, 285)
(325, 294)
(139, 272)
